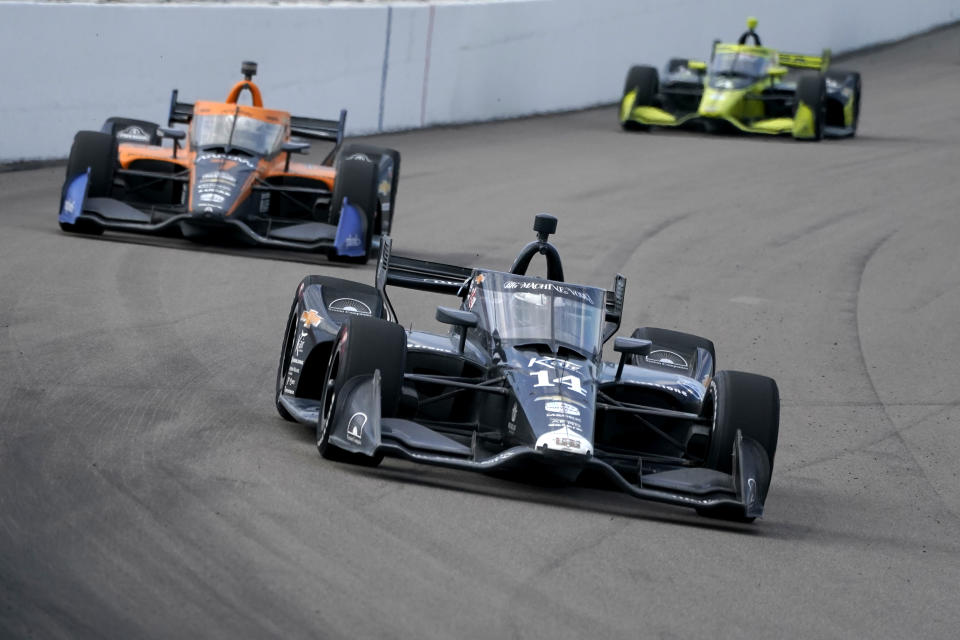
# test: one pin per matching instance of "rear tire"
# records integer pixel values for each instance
(129, 130)
(646, 81)
(812, 92)
(357, 181)
(98, 152)
(363, 345)
(686, 343)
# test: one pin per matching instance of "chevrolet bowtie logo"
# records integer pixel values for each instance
(310, 318)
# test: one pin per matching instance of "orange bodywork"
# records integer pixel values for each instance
(269, 167)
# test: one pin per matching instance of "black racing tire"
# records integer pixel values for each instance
(676, 63)
(812, 91)
(686, 342)
(98, 152)
(646, 80)
(363, 345)
(116, 127)
(750, 403)
(374, 152)
(841, 76)
(357, 181)
(285, 355)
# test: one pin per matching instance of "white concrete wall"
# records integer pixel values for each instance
(393, 66)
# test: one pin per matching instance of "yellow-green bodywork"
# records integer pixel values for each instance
(742, 107)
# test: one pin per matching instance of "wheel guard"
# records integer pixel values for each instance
(351, 231)
(752, 474)
(73, 198)
(356, 423)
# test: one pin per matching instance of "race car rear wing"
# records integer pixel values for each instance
(436, 277)
(314, 128)
(318, 129)
(801, 61)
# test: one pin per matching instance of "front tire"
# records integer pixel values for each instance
(750, 403)
(96, 151)
(812, 95)
(645, 80)
(356, 180)
(363, 345)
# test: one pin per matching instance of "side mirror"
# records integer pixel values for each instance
(458, 318)
(630, 347)
(290, 148)
(174, 134)
(777, 71)
(697, 65)
(295, 147)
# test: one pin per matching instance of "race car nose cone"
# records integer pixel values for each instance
(718, 103)
(565, 440)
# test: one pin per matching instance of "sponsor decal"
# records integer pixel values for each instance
(667, 359)
(265, 202)
(134, 133)
(562, 289)
(554, 363)
(353, 241)
(351, 306)
(562, 408)
(512, 425)
(296, 361)
(555, 422)
(564, 440)
(217, 176)
(472, 297)
(227, 160)
(301, 343)
(289, 385)
(558, 398)
(572, 382)
(359, 156)
(355, 427)
(384, 188)
(310, 318)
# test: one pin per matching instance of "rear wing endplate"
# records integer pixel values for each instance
(801, 61)
(613, 307)
(181, 112)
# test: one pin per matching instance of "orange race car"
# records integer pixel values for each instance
(231, 178)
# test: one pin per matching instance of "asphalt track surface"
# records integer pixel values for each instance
(148, 488)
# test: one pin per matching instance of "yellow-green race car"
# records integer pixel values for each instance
(746, 87)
